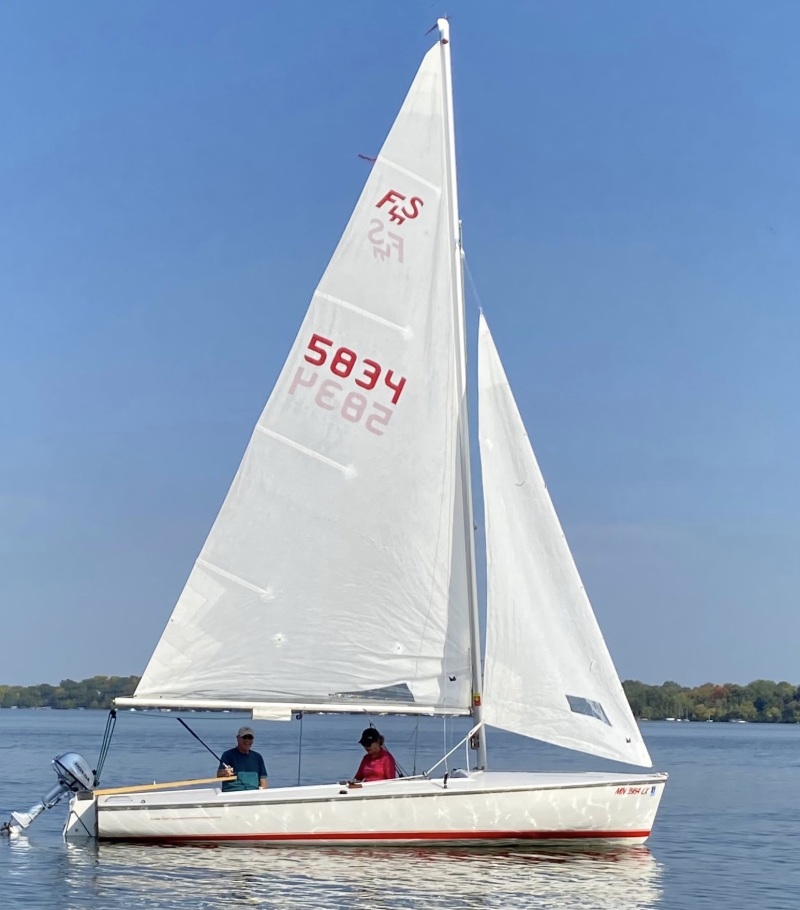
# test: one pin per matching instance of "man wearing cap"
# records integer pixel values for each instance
(378, 763)
(247, 765)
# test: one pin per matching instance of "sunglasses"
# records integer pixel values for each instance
(246, 736)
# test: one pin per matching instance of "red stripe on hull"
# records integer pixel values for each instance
(415, 836)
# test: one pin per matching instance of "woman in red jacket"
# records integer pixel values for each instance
(378, 763)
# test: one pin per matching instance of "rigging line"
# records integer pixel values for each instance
(183, 723)
(111, 722)
(472, 284)
(456, 746)
(300, 747)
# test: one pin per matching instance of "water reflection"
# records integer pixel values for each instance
(121, 875)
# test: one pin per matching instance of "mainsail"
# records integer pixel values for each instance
(336, 570)
(548, 672)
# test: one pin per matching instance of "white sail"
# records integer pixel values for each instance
(548, 672)
(336, 568)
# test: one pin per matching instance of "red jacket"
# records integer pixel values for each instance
(379, 767)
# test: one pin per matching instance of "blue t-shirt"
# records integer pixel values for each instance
(248, 767)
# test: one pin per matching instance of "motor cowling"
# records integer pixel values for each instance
(73, 770)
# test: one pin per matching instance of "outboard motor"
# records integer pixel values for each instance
(73, 774)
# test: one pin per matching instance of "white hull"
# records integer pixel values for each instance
(477, 809)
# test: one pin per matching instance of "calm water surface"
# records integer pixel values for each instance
(726, 835)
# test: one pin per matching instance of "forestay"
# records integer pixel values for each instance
(548, 672)
(333, 572)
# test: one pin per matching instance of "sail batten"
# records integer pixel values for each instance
(407, 173)
(549, 675)
(404, 330)
(346, 469)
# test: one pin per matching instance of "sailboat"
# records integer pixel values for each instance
(340, 573)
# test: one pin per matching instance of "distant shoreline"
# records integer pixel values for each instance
(761, 701)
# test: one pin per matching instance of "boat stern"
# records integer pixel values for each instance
(81, 823)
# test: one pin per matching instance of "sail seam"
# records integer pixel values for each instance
(405, 330)
(348, 470)
(406, 172)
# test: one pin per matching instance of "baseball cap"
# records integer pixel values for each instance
(369, 736)
(245, 731)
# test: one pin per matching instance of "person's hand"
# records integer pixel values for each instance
(229, 770)
(353, 784)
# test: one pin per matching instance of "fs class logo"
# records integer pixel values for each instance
(385, 243)
(399, 214)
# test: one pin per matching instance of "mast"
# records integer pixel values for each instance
(459, 320)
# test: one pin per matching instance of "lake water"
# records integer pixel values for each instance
(726, 835)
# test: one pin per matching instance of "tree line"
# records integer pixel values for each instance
(95, 692)
(761, 701)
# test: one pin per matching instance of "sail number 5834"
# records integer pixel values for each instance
(343, 361)
(352, 407)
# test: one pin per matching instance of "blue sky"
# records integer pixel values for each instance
(173, 179)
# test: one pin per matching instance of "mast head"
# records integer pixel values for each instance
(444, 30)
